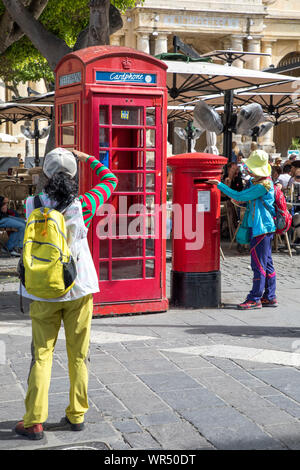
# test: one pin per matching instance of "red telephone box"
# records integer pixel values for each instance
(111, 102)
(195, 276)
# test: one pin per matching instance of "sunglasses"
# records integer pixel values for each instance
(297, 177)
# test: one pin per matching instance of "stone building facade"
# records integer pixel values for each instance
(269, 26)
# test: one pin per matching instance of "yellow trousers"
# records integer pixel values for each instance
(46, 321)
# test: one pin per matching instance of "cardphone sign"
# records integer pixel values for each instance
(126, 77)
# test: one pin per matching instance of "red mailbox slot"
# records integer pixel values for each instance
(195, 276)
(111, 102)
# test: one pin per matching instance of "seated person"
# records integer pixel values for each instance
(292, 158)
(242, 168)
(276, 172)
(10, 219)
(233, 177)
(296, 225)
(294, 165)
(235, 152)
(285, 177)
(295, 179)
(278, 161)
(295, 200)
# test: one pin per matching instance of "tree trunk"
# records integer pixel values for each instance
(10, 32)
(99, 22)
(49, 45)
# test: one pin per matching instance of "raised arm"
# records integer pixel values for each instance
(254, 192)
(98, 195)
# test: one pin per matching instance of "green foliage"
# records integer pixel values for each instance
(124, 5)
(64, 18)
(22, 62)
(295, 145)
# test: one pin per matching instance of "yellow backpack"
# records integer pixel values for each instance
(47, 268)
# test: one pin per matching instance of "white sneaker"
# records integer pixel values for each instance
(14, 253)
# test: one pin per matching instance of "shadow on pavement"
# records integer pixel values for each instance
(7, 431)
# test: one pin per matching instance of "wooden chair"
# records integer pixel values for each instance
(20, 193)
(242, 213)
(7, 190)
(229, 208)
(22, 171)
(16, 193)
(35, 170)
(4, 234)
(277, 238)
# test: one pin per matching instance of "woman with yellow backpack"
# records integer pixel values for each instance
(56, 253)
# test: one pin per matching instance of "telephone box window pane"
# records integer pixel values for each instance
(127, 248)
(150, 247)
(127, 116)
(104, 157)
(127, 138)
(126, 226)
(68, 135)
(127, 160)
(150, 268)
(130, 182)
(67, 113)
(103, 271)
(150, 116)
(150, 160)
(103, 137)
(150, 182)
(127, 269)
(150, 225)
(150, 201)
(127, 203)
(104, 248)
(103, 115)
(150, 138)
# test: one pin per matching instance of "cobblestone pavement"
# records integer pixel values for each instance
(182, 379)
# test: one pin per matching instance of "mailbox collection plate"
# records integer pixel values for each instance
(203, 201)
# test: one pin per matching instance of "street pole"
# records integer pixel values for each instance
(190, 133)
(36, 142)
(228, 115)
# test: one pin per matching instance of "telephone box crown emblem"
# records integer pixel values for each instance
(127, 63)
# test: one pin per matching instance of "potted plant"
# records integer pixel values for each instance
(295, 145)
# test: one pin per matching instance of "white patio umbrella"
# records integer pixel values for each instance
(186, 81)
(199, 78)
(7, 138)
(211, 140)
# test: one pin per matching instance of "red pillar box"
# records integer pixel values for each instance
(195, 276)
(111, 102)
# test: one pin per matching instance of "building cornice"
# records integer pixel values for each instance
(282, 16)
(144, 9)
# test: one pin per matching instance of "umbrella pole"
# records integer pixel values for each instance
(189, 135)
(36, 142)
(228, 115)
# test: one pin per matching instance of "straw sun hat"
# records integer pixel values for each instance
(258, 163)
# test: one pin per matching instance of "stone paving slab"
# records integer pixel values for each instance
(144, 396)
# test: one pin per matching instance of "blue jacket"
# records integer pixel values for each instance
(259, 217)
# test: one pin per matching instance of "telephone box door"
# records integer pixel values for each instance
(127, 238)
